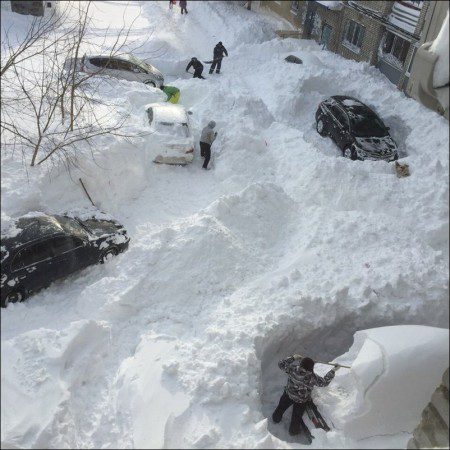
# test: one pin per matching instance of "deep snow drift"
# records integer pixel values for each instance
(283, 247)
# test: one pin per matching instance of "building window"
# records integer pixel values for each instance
(353, 36)
(294, 7)
(394, 49)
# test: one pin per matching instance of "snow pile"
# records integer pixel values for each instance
(395, 371)
(441, 78)
(48, 370)
(283, 247)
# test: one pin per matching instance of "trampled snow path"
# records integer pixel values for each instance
(284, 246)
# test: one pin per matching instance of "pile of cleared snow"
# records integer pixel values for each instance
(394, 372)
(440, 46)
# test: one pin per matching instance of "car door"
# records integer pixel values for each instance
(69, 253)
(32, 267)
(339, 125)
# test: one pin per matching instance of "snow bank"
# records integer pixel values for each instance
(440, 46)
(395, 369)
(45, 374)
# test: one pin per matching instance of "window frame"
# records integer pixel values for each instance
(395, 39)
(358, 32)
(295, 10)
(25, 249)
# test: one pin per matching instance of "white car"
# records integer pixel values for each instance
(171, 136)
(126, 67)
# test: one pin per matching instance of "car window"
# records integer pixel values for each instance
(31, 255)
(138, 69)
(150, 115)
(340, 116)
(368, 126)
(61, 244)
(98, 62)
(71, 226)
(124, 65)
(175, 129)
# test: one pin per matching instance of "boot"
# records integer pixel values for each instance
(211, 71)
(276, 416)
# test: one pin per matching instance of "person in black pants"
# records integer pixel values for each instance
(297, 425)
(206, 139)
(183, 4)
(219, 51)
(301, 381)
(198, 68)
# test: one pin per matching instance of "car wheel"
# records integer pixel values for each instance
(350, 153)
(150, 83)
(13, 297)
(108, 254)
(321, 128)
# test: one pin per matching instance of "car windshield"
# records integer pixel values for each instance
(72, 226)
(366, 125)
(174, 129)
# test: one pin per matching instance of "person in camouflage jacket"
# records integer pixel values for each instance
(301, 381)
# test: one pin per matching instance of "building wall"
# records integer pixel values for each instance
(283, 9)
(420, 83)
(432, 432)
(338, 20)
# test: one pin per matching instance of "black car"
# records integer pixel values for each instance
(44, 248)
(355, 129)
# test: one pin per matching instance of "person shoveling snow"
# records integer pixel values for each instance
(301, 381)
(198, 68)
(219, 51)
(206, 139)
(173, 93)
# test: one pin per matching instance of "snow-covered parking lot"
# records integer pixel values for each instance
(283, 247)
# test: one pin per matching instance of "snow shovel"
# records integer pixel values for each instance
(315, 416)
(333, 364)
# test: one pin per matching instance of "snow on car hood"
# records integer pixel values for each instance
(383, 145)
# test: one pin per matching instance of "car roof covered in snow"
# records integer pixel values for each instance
(29, 228)
(123, 56)
(168, 112)
(350, 102)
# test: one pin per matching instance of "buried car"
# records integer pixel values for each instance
(125, 66)
(43, 248)
(355, 128)
(171, 137)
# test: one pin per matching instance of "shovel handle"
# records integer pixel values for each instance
(331, 364)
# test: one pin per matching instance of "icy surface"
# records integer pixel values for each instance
(283, 247)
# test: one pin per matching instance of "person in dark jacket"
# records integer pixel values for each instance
(198, 68)
(301, 381)
(219, 51)
(183, 4)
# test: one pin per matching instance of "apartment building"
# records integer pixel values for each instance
(385, 34)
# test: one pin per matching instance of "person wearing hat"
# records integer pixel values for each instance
(198, 68)
(301, 381)
(206, 139)
(219, 51)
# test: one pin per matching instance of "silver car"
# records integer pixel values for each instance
(125, 67)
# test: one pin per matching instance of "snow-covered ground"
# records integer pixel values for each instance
(284, 247)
